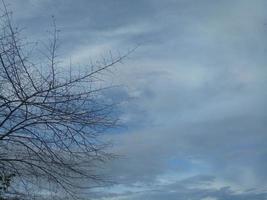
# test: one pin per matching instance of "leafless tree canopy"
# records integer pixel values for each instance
(50, 117)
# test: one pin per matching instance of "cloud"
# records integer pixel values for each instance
(196, 90)
(181, 190)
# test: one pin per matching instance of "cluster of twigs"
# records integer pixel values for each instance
(49, 119)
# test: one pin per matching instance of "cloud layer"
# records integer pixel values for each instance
(196, 90)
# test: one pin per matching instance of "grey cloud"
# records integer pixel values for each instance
(181, 190)
(196, 89)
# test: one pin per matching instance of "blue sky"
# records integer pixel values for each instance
(195, 88)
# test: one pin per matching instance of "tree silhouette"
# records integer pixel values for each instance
(50, 119)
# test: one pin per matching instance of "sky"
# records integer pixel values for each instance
(193, 93)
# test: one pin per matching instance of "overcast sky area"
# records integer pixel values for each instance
(195, 118)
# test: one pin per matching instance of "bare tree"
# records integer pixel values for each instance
(50, 117)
